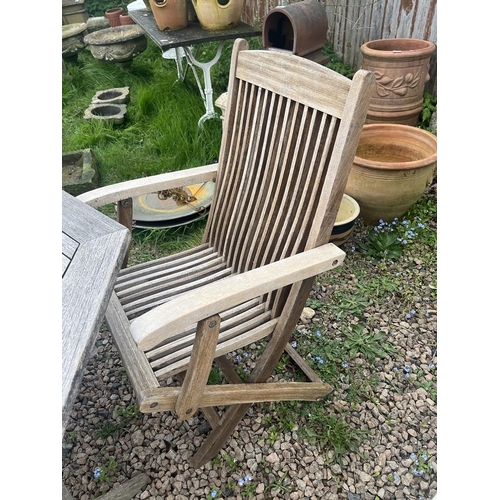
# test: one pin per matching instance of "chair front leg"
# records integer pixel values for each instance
(200, 364)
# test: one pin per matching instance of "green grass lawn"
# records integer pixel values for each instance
(160, 132)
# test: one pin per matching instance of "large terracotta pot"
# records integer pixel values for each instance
(393, 166)
(170, 14)
(218, 14)
(401, 69)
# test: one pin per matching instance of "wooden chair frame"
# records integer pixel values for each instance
(289, 138)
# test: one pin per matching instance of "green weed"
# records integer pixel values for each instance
(388, 240)
(332, 433)
(336, 62)
(125, 416)
(104, 473)
(280, 486)
(360, 339)
(428, 107)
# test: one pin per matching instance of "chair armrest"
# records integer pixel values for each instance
(181, 312)
(129, 189)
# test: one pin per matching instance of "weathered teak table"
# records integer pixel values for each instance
(182, 40)
(93, 249)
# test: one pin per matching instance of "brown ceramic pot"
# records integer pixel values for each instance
(393, 166)
(300, 27)
(170, 14)
(401, 68)
(113, 16)
(126, 19)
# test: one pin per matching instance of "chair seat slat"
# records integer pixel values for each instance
(156, 282)
(229, 319)
(191, 255)
(167, 270)
(230, 345)
(143, 305)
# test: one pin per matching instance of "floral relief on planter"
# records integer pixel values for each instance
(399, 85)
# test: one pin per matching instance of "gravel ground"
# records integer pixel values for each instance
(398, 409)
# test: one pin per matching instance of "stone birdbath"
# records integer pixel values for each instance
(73, 36)
(118, 45)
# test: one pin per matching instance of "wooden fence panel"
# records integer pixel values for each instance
(354, 22)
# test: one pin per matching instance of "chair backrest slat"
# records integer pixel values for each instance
(285, 148)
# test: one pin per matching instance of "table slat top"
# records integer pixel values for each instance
(192, 35)
(93, 249)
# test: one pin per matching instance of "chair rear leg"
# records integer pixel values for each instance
(219, 435)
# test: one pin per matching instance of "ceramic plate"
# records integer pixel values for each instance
(174, 207)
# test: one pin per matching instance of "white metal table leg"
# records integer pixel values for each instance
(206, 92)
(177, 53)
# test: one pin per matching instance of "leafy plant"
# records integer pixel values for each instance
(428, 107)
(97, 8)
(336, 62)
(315, 304)
(281, 485)
(421, 463)
(231, 464)
(354, 304)
(382, 245)
(125, 415)
(373, 345)
(387, 240)
(130, 412)
(109, 429)
(332, 433)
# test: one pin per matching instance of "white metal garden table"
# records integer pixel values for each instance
(182, 41)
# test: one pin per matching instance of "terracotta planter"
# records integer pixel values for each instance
(401, 68)
(113, 16)
(126, 19)
(393, 166)
(170, 14)
(218, 14)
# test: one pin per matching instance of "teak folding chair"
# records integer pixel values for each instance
(289, 138)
